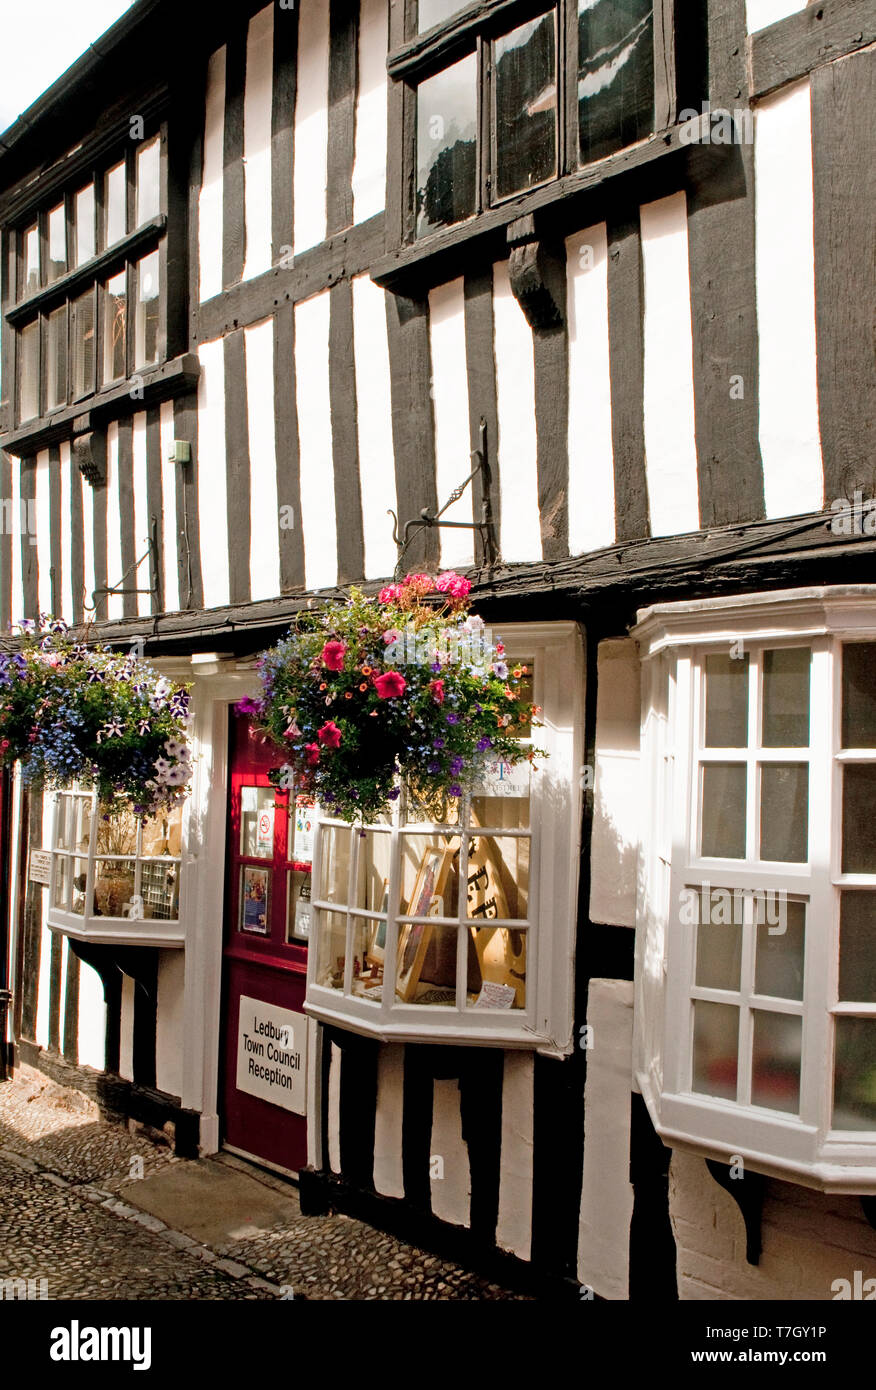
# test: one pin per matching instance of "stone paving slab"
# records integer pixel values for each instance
(104, 1211)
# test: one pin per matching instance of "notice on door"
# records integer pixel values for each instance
(272, 1054)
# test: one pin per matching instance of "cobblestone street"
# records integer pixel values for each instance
(75, 1193)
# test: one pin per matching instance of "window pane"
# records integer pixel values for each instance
(433, 12)
(857, 972)
(854, 1077)
(426, 964)
(859, 823)
(85, 245)
(726, 701)
(83, 345)
(372, 872)
(331, 949)
(525, 85)
(498, 877)
(447, 111)
(715, 1049)
(786, 698)
(859, 695)
(56, 358)
(57, 242)
(113, 887)
(62, 882)
(719, 937)
(784, 812)
(159, 890)
(162, 835)
(781, 928)
(146, 336)
(29, 372)
(117, 835)
(115, 204)
(775, 1061)
(501, 959)
(334, 864)
(80, 879)
(148, 193)
(723, 834)
(615, 75)
(31, 260)
(115, 327)
(257, 822)
(430, 875)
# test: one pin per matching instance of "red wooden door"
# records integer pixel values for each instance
(267, 921)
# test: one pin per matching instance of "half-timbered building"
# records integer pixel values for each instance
(283, 287)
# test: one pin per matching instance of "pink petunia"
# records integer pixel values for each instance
(329, 735)
(332, 656)
(312, 752)
(456, 585)
(390, 685)
(389, 593)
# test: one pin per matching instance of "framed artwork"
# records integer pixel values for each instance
(426, 901)
(255, 901)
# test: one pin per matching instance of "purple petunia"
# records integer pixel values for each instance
(483, 744)
(453, 718)
(434, 767)
(456, 766)
(456, 789)
(439, 743)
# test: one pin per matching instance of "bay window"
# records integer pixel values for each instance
(454, 919)
(114, 877)
(756, 988)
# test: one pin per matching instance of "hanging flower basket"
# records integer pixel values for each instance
(70, 713)
(405, 689)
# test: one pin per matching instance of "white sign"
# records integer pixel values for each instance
(266, 829)
(40, 866)
(272, 1054)
(305, 821)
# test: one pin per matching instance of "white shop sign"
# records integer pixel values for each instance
(40, 866)
(272, 1054)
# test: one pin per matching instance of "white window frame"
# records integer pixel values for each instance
(546, 1024)
(672, 639)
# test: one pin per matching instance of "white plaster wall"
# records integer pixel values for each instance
(210, 198)
(514, 1226)
(515, 399)
(450, 410)
(388, 1176)
(591, 453)
(448, 1157)
(606, 1190)
(809, 1239)
(618, 786)
(257, 104)
(170, 1029)
(126, 1030)
(760, 13)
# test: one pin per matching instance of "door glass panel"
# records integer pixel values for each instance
(331, 949)
(859, 695)
(786, 698)
(56, 358)
(148, 196)
(115, 327)
(57, 243)
(715, 1049)
(726, 701)
(84, 225)
(498, 877)
(146, 335)
(859, 823)
(775, 1061)
(31, 260)
(501, 959)
(447, 113)
(857, 972)
(83, 345)
(615, 75)
(723, 826)
(719, 938)
(334, 863)
(781, 928)
(29, 371)
(784, 812)
(525, 85)
(115, 204)
(257, 822)
(255, 900)
(854, 1078)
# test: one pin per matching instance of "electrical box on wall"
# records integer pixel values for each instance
(180, 451)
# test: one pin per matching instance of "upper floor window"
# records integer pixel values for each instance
(456, 920)
(761, 738)
(88, 307)
(505, 100)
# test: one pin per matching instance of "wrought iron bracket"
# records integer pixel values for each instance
(154, 574)
(427, 520)
(747, 1192)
